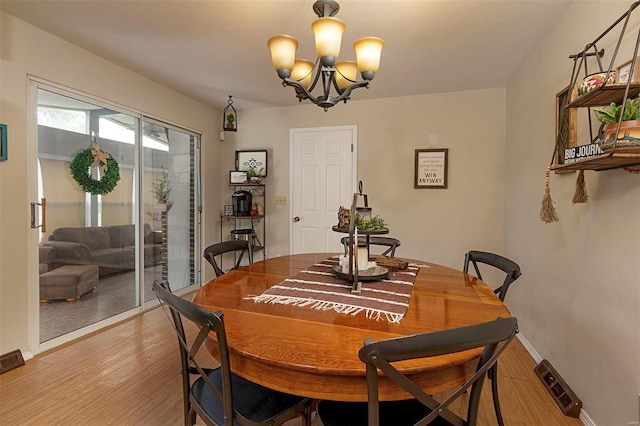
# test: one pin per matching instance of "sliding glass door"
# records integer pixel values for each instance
(120, 193)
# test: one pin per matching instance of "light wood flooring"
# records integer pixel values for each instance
(128, 374)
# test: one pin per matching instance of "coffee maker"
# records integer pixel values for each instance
(242, 202)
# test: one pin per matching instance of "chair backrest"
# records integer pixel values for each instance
(508, 266)
(389, 243)
(217, 249)
(493, 336)
(206, 322)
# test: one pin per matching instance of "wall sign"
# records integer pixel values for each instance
(256, 160)
(431, 168)
(582, 152)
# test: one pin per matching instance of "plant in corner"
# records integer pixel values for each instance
(161, 189)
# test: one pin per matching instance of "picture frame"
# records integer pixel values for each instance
(623, 72)
(566, 123)
(255, 159)
(3, 142)
(237, 177)
(228, 210)
(431, 168)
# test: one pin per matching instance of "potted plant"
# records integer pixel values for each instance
(255, 176)
(161, 188)
(230, 122)
(629, 120)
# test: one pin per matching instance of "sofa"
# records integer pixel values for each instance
(111, 248)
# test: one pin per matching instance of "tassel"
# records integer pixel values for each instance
(580, 196)
(547, 211)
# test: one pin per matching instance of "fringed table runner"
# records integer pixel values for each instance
(316, 287)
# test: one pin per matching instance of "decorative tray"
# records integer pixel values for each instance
(376, 273)
(336, 228)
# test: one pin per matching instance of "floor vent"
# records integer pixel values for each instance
(566, 399)
(10, 360)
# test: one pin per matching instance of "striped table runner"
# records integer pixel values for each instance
(316, 287)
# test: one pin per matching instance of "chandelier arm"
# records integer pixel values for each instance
(301, 91)
(344, 96)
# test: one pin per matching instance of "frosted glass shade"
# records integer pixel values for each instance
(283, 51)
(302, 71)
(368, 51)
(328, 33)
(348, 69)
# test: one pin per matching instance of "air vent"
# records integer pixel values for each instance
(566, 399)
(11, 360)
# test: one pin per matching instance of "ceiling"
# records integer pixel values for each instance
(214, 48)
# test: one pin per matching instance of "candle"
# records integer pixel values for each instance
(363, 257)
(355, 249)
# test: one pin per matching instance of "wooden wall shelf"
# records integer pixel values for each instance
(604, 95)
(620, 158)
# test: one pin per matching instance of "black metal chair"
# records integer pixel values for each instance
(217, 395)
(512, 271)
(493, 336)
(217, 249)
(508, 266)
(390, 243)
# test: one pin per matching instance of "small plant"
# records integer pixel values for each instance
(376, 223)
(161, 189)
(611, 114)
(252, 172)
(230, 119)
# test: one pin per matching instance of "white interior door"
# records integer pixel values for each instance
(323, 176)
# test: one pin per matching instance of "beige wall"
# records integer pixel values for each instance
(439, 225)
(26, 50)
(578, 300)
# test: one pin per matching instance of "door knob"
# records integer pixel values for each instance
(296, 219)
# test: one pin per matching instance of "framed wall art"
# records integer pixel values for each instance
(431, 167)
(624, 72)
(566, 123)
(3, 141)
(256, 160)
(237, 177)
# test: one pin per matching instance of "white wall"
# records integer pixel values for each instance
(578, 300)
(26, 50)
(439, 225)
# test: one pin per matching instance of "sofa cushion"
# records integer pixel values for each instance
(95, 238)
(122, 235)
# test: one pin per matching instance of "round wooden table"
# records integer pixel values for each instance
(314, 353)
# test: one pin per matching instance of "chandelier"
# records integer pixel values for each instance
(341, 76)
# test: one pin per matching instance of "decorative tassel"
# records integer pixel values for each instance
(547, 211)
(580, 196)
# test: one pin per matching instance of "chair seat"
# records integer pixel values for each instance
(392, 413)
(251, 400)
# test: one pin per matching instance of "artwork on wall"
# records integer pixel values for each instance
(256, 160)
(431, 166)
(566, 122)
(3, 141)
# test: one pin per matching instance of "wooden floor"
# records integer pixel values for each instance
(129, 375)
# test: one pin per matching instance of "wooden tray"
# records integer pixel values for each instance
(376, 273)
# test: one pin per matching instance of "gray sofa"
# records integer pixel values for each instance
(111, 248)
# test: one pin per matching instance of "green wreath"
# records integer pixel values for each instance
(79, 168)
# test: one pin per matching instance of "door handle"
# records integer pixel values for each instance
(43, 217)
(296, 219)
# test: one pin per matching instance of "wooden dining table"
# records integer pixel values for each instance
(314, 352)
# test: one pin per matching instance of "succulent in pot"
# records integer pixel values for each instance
(610, 115)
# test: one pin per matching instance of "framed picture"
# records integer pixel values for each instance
(3, 141)
(237, 177)
(256, 160)
(566, 123)
(228, 210)
(624, 72)
(431, 168)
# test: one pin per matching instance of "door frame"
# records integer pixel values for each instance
(354, 163)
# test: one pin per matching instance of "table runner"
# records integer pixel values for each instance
(316, 287)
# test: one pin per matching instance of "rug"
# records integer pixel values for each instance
(316, 287)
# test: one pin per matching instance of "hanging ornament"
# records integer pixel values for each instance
(94, 158)
(230, 117)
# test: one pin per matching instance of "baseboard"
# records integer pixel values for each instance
(584, 417)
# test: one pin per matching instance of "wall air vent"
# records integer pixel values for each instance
(11, 360)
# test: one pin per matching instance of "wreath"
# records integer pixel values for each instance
(90, 158)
